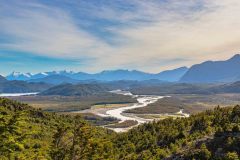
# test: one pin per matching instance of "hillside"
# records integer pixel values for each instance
(173, 88)
(227, 88)
(19, 76)
(75, 90)
(27, 133)
(2, 79)
(172, 75)
(214, 71)
(187, 88)
(22, 87)
(55, 79)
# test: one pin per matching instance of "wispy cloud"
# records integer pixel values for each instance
(145, 34)
(47, 31)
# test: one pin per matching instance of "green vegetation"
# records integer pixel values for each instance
(95, 119)
(73, 103)
(27, 133)
(164, 105)
(125, 124)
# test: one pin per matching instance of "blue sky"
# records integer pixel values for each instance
(96, 35)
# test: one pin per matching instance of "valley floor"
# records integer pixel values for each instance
(117, 112)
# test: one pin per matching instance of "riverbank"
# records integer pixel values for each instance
(118, 111)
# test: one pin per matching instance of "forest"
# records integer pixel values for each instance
(28, 133)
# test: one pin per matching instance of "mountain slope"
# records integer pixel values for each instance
(19, 76)
(218, 71)
(172, 75)
(226, 88)
(186, 88)
(2, 79)
(121, 75)
(55, 79)
(22, 87)
(172, 88)
(75, 90)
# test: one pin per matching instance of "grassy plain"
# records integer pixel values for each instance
(190, 103)
(73, 103)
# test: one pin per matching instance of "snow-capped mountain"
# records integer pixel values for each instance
(19, 76)
(39, 75)
(29, 76)
(107, 75)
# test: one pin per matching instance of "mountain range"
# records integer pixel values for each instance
(206, 72)
(55, 77)
(15, 86)
(29, 76)
(214, 71)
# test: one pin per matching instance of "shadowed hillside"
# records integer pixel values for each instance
(214, 71)
(2, 79)
(21, 86)
(75, 90)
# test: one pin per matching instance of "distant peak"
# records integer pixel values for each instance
(65, 72)
(184, 67)
(117, 70)
(14, 73)
(43, 73)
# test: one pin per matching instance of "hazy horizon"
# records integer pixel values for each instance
(76, 71)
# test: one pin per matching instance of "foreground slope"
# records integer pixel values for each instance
(27, 133)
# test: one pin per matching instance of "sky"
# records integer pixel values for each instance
(96, 35)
